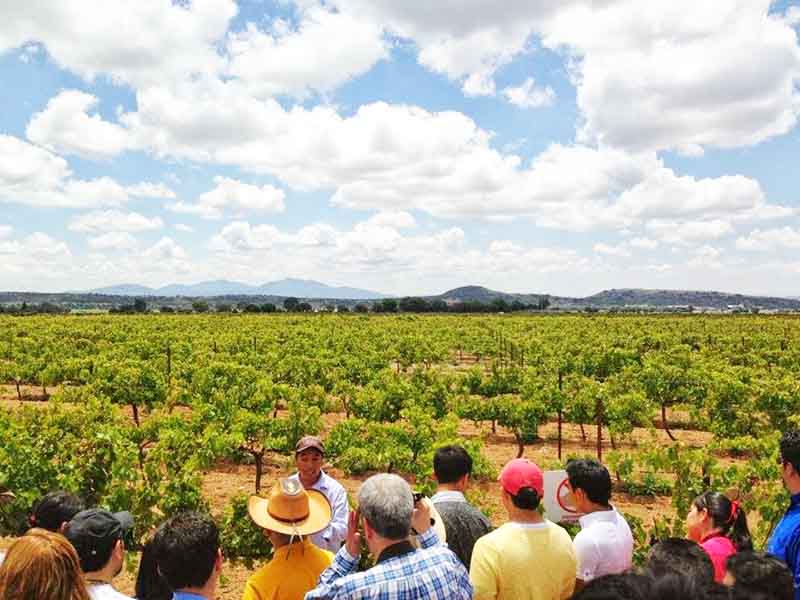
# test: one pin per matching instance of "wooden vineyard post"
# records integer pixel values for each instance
(560, 410)
(599, 410)
(169, 367)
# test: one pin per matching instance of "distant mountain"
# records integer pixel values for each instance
(124, 289)
(301, 288)
(620, 298)
(306, 288)
(476, 293)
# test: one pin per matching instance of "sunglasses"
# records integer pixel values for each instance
(781, 461)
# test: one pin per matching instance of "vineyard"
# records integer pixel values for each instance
(159, 413)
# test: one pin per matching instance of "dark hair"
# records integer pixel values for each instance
(95, 558)
(526, 499)
(673, 585)
(451, 463)
(728, 517)
(760, 576)
(679, 556)
(55, 509)
(187, 547)
(592, 477)
(623, 586)
(790, 448)
(150, 585)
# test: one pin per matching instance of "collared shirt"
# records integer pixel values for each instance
(293, 571)
(604, 545)
(334, 534)
(524, 561)
(785, 541)
(432, 573)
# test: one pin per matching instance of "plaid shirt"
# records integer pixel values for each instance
(433, 572)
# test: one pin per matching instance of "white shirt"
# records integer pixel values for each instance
(334, 534)
(448, 496)
(104, 591)
(604, 545)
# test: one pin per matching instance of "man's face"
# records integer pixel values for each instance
(309, 463)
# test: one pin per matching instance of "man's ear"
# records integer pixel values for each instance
(369, 532)
(464, 481)
(219, 561)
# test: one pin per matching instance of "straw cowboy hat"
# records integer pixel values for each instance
(290, 509)
(6, 496)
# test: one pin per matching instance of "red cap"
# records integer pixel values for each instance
(521, 473)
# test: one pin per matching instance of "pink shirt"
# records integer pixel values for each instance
(719, 548)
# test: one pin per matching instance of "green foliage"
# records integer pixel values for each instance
(242, 540)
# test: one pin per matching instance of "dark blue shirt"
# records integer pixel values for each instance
(785, 541)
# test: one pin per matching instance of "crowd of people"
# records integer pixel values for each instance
(437, 548)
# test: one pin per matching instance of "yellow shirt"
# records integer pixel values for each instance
(524, 562)
(293, 571)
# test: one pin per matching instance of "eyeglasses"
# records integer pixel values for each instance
(781, 461)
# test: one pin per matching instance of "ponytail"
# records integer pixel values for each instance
(739, 532)
(727, 516)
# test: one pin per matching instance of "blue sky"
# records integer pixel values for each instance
(404, 147)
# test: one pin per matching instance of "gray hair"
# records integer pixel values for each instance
(386, 502)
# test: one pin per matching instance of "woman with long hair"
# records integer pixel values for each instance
(150, 585)
(719, 525)
(42, 565)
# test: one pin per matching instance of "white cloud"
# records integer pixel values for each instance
(6, 231)
(386, 157)
(114, 240)
(395, 219)
(33, 176)
(619, 251)
(770, 240)
(184, 228)
(235, 197)
(466, 40)
(689, 232)
(163, 41)
(706, 257)
(66, 127)
(240, 236)
(114, 221)
(682, 74)
(147, 189)
(167, 251)
(528, 95)
(304, 59)
(643, 243)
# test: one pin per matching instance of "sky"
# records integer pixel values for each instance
(405, 147)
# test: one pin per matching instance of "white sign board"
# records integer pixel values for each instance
(558, 504)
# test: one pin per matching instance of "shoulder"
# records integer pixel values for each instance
(332, 484)
(262, 574)
(497, 538)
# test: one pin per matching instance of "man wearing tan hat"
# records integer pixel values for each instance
(289, 515)
(309, 455)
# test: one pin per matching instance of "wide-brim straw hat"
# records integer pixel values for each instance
(291, 509)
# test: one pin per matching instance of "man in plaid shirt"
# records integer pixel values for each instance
(433, 572)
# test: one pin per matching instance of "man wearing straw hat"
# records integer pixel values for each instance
(289, 515)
